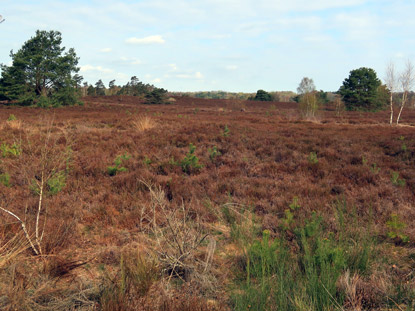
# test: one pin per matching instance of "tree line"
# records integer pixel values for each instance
(45, 74)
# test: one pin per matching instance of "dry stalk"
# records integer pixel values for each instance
(11, 249)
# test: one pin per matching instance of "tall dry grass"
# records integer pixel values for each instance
(11, 249)
(143, 122)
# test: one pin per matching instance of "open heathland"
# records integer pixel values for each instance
(205, 205)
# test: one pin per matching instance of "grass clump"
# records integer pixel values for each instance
(278, 278)
(11, 117)
(10, 151)
(142, 123)
(135, 276)
(396, 227)
(5, 179)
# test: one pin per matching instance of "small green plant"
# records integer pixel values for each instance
(10, 150)
(404, 148)
(213, 153)
(195, 111)
(173, 162)
(11, 117)
(288, 220)
(191, 161)
(294, 204)
(147, 161)
(375, 169)
(5, 179)
(312, 158)
(56, 182)
(364, 160)
(117, 168)
(396, 227)
(396, 181)
(226, 131)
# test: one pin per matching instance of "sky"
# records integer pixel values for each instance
(230, 45)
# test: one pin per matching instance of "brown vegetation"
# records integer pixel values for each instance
(173, 220)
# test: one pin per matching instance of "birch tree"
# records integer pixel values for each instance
(44, 164)
(406, 81)
(308, 99)
(391, 84)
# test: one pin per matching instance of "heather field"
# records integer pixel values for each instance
(205, 205)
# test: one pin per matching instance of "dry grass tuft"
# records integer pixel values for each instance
(12, 249)
(14, 124)
(349, 284)
(143, 122)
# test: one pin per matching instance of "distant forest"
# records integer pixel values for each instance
(283, 96)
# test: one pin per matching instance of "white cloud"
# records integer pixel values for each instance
(131, 61)
(197, 75)
(156, 80)
(219, 37)
(318, 39)
(399, 55)
(146, 40)
(106, 50)
(173, 67)
(87, 68)
(358, 26)
(231, 67)
(306, 5)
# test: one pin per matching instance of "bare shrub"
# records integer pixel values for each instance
(183, 247)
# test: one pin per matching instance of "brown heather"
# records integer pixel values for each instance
(262, 164)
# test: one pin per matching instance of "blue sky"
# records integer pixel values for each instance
(231, 45)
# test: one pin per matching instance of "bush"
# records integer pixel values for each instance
(262, 95)
(156, 97)
(309, 104)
